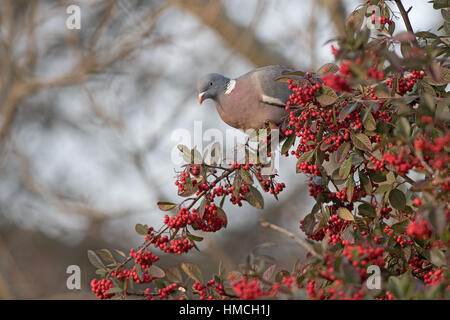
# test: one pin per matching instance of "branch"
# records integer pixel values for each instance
(405, 17)
(166, 227)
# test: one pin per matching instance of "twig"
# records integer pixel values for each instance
(305, 245)
(165, 228)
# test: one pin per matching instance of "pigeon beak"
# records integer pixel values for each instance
(200, 97)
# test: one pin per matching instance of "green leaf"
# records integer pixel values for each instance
(350, 188)
(345, 111)
(268, 273)
(403, 127)
(186, 153)
(402, 287)
(383, 188)
(193, 237)
(309, 221)
(438, 257)
(173, 274)
(106, 255)
(361, 141)
(426, 34)
(160, 284)
(342, 151)
(397, 199)
(344, 170)
(246, 176)
(295, 80)
(327, 96)
(255, 198)
(201, 208)
(288, 143)
(401, 226)
(369, 121)
(95, 260)
(377, 176)
(139, 271)
(365, 183)
(222, 214)
(166, 206)
(193, 271)
(141, 229)
(306, 157)
(445, 15)
(337, 179)
(441, 4)
(320, 156)
(395, 287)
(391, 28)
(156, 272)
(440, 79)
(345, 214)
(101, 272)
(327, 68)
(114, 290)
(356, 18)
(443, 111)
(120, 253)
(294, 73)
(190, 189)
(237, 185)
(367, 210)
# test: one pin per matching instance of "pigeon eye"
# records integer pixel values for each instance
(210, 83)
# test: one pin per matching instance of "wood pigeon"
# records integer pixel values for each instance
(249, 101)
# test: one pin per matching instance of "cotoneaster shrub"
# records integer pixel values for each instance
(371, 133)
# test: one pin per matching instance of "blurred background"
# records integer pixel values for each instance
(87, 117)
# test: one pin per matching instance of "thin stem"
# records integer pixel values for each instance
(405, 17)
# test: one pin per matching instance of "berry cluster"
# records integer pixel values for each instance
(402, 162)
(177, 245)
(248, 289)
(382, 20)
(209, 291)
(144, 258)
(332, 292)
(132, 274)
(303, 94)
(405, 84)
(361, 257)
(99, 288)
(434, 149)
(419, 230)
(337, 82)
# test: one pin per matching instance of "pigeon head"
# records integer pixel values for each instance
(211, 86)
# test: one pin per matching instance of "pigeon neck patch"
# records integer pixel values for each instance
(230, 86)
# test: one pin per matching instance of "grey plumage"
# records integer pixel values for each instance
(250, 100)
